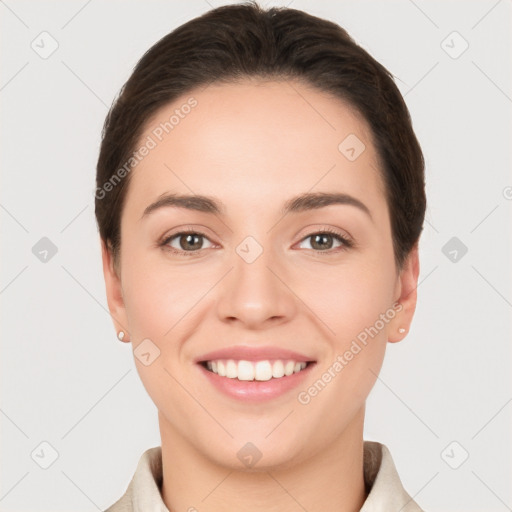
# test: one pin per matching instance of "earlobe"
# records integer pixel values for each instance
(114, 292)
(407, 297)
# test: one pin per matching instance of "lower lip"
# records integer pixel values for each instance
(254, 390)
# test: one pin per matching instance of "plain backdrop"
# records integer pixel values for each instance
(442, 403)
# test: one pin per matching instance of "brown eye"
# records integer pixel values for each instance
(190, 242)
(186, 241)
(324, 241)
(321, 241)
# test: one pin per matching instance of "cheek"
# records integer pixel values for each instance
(356, 305)
(348, 299)
(157, 292)
(161, 298)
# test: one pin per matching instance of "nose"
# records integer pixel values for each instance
(256, 293)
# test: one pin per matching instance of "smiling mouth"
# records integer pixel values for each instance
(255, 370)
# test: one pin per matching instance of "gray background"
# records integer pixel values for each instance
(444, 393)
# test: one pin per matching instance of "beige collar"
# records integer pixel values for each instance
(381, 479)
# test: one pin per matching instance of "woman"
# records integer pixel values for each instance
(260, 197)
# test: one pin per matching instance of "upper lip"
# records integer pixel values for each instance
(250, 353)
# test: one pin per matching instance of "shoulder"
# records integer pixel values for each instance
(384, 487)
(144, 490)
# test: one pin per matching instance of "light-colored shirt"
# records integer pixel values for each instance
(386, 493)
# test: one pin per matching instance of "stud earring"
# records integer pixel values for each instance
(120, 335)
(401, 330)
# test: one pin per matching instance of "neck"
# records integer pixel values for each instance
(328, 480)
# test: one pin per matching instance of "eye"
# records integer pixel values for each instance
(323, 241)
(191, 242)
(185, 242)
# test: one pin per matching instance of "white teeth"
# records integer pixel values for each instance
(231, 369)
(288, 368)
(278, 370)
(254, 370)
(263, 370)
(245, 370)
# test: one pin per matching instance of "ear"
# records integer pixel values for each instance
(406, 296)
(114, 292)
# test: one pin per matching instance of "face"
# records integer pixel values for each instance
(287, 261)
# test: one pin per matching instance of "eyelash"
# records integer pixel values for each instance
(347, 244)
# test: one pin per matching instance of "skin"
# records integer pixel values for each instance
(253, 145)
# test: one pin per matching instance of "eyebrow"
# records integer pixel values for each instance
(300, 203)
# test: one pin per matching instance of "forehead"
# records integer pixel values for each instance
(260, 138)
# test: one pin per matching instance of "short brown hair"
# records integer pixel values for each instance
(233, 42)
